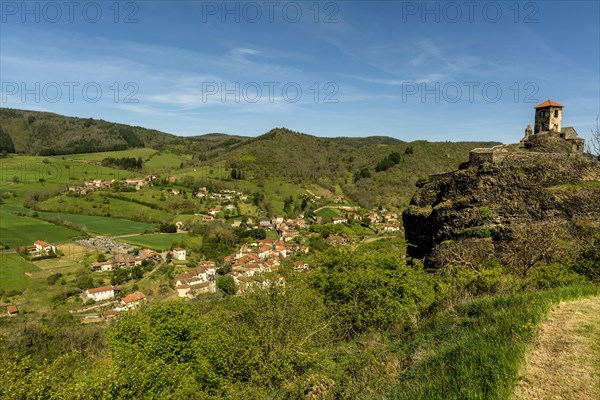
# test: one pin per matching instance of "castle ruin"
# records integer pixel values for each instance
(548, 139)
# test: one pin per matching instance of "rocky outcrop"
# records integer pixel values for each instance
(487, 201)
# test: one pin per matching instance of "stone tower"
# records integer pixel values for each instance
(548, 117)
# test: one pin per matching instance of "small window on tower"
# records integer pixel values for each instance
(555, 113)
(541, 113)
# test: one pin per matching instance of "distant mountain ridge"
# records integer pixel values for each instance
(341, 164)
(44, 133)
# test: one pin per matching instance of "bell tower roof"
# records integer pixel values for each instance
(548, 103)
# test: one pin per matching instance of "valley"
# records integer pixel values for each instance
(289, 248)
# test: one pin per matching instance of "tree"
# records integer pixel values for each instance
(363, 173)
(226, 284)
(371, 290)
(137, 272)
(168, 228)
(85, 281)
(593, 145)
(119, 276)
(588, 262)
(531, 244)
(6, 143)
(388, 162)
(469, 253)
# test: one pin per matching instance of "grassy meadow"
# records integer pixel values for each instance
(97, 205)
(18, 230)
(476, 350)
(161, 241)
(13, 269)
(327, 213)
(104, 226)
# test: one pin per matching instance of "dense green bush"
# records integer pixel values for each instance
(371, 290)
(588, 262)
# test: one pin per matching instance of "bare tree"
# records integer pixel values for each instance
(470, 253)
(593, 145)
(531, 244)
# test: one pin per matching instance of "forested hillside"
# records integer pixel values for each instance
(42, 133)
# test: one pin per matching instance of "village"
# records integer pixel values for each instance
(255, 263)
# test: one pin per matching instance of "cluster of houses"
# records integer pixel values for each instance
(382, 216)
(252, 261)
(126, 260)
(198, 280)
(216, 211)
(108, 292)
(98, 184)
(222, 195)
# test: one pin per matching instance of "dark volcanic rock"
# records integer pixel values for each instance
(489, 200)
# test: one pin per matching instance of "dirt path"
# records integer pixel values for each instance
(564, 362)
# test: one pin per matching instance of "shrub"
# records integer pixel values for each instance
(53, 278)
(548, 276)
(422, 181)
(226, 285)
(372, 291)
(588, 262)
(476, 232)
(485, 213)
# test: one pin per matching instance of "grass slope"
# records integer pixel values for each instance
(17, 230)
(12, 271)
(101, 225)
(476, 352)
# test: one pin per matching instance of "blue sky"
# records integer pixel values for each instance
(411, 70)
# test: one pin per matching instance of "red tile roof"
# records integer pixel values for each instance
(101, 289)
(208, 264)
(12, 309)
(134, 297)
(109, 314)
(42, 243)
(548, 103)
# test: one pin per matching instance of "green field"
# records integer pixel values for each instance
(159, 241)
(98, 206)
(327, 213)
(165, 161)
(101, 225)
(12, 271)
(22, 174)
(17, 230)
(53, 170)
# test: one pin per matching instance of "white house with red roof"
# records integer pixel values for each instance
(132, 301)
(44, 247)
(100, 293)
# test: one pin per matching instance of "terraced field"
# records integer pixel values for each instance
(23, 231)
